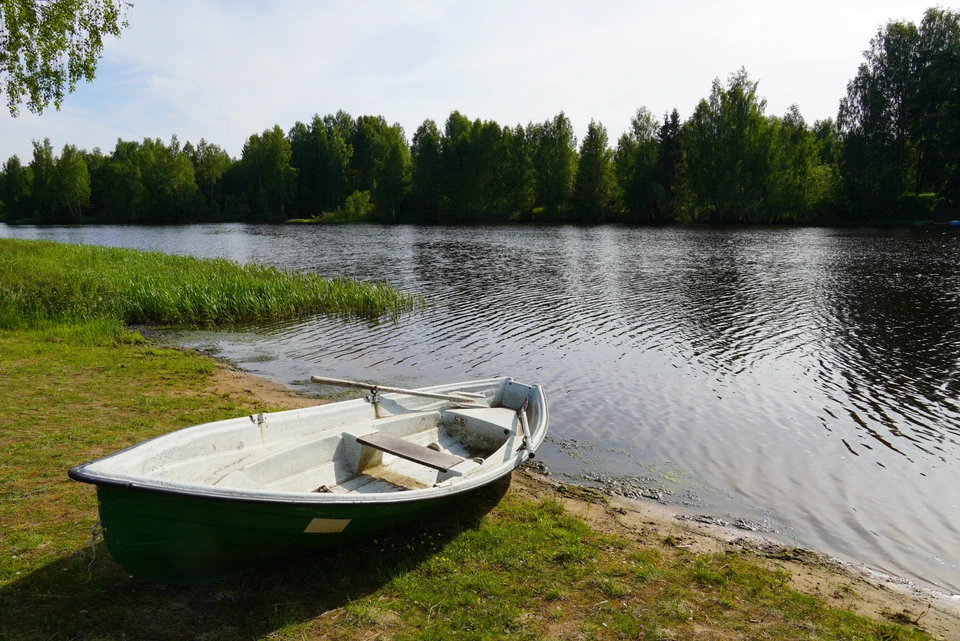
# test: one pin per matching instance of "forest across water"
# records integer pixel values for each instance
(892, 155)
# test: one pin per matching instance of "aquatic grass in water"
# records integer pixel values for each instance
(45, 281)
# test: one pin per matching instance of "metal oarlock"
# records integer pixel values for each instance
(374, 396)
(374, 399)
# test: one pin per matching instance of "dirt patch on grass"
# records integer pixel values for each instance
(848, 587)
(235, 382)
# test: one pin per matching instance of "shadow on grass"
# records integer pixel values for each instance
(74, 598)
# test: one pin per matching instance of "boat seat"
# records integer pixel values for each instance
(464, 468)
(390, 444)
(482, 429)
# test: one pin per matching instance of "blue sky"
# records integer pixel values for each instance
(224, 70)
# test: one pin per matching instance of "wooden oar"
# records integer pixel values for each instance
(525, 427)
(458, 397)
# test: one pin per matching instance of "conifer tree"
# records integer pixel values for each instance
(594, 184)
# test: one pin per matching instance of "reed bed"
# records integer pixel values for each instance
(53, 282)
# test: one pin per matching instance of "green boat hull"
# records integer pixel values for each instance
(213, 500)
(185, 539)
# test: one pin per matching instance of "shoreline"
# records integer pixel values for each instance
(529, 557)
(848, 585)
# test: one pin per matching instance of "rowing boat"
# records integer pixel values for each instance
(213, 500)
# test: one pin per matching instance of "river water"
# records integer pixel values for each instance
(799, 381)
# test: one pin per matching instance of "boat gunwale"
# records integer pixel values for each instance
(236, 495)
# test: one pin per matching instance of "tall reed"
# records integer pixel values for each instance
(43, 281)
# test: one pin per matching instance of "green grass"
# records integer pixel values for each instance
(502, 565)
(53, 283)
(76, 385)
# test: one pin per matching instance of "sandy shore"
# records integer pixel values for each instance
(854, 588)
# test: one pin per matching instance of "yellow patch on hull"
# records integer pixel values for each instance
(326, 526)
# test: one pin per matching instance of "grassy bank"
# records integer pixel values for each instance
(513, 563)
(506, 565)
(45, 282)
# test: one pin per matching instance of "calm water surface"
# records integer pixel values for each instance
(805, 381)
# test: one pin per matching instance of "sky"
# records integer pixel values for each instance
(226, 69)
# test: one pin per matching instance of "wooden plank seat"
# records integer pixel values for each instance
(442, 461)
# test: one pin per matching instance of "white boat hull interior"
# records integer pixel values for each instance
(403, 446)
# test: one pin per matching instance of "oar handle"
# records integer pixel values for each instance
(525, 426)
(459, 397)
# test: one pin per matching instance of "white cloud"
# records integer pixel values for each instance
(225, 70)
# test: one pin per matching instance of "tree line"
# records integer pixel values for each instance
(892, 153)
